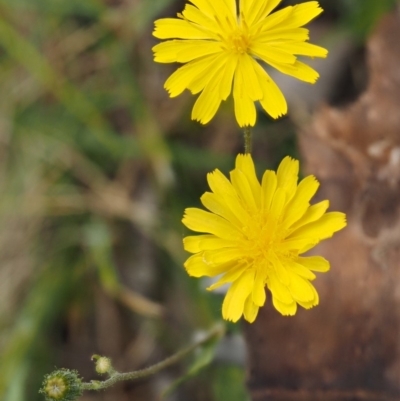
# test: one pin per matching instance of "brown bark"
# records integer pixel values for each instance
(347, 348)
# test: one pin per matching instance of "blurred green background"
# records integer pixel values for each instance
(96, 167)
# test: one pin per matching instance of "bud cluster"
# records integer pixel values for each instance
(62, 385)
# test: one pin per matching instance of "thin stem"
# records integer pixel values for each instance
(216, 332)
(247, 140)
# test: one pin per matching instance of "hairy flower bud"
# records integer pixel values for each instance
(103, 365)
(62, 385)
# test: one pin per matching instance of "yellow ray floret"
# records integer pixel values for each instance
(222, 48)
(254, 234)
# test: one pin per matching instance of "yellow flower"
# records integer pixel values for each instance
(221, 46)
(256, 234)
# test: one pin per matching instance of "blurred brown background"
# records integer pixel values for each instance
(349, 347)
(97, 165)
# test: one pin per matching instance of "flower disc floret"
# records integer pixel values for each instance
(221, 48)
(62, 385)
(254, 235)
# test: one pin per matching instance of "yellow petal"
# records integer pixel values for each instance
(298, 244)
(281, 35)
(205, 107)
(315, 263)
(196, 267)
(245, 164)
(212, 8)
(250, 310)
(310, 304)
(273, 101)
(301, 289)
(307, 247)
(300, 270)
(298, 70)
(192, 243)
(242, 187)
(245, 110)
(303, 49)
(235, 204)
(281, 271)
(183, 76)
(269, 183)
(233, 305)
(198, 243)
(322, 228)
(271, 54)
(302, 14)
(192, 51)
(231, 7)
(228, 11)
(211, 77)
(201, 221)
(225, 10)
(245, 68)
(201, 18)
(279, 290)
(278, 203)
(169, 28)
(223, 255)
(217, 205)
(287, 174)
(299, 204)
(222, 187)
(313, 213)
(256, 10)
(225, 87)
(275, 19)
(219, 184)
(207, 103)
(182, 51)
(259, 295)
(229, 277)
(205, 6)
(285, 309)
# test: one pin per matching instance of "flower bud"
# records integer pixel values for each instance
(103, 365)
(62, 385)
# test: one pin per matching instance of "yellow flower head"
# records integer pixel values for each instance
(256, 234)
(220, 46)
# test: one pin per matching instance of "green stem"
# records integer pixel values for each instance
(215, 332)
(247, 140)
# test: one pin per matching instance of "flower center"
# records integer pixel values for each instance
(56, 388)
(262, 236)
(239, 42)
